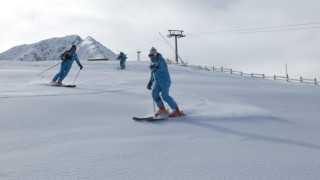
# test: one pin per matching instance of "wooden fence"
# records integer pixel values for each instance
(98, 59)
(263, 76)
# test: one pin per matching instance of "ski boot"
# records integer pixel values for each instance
(59, 83)
(176, 112)
(161, 110)
(53, 83)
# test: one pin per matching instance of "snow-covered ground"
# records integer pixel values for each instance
(236, 127)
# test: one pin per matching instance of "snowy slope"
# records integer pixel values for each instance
(51, 49)
(236, 127)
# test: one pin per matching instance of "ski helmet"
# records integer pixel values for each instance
(153, 52)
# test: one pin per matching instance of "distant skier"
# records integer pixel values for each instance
(123, 59)
(67, 60)
(160, 79)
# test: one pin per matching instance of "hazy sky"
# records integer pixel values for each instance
(129, 25)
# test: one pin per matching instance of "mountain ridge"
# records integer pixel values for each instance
(51, 49)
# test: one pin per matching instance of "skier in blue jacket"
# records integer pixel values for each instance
(122, 58)
(160, 79)
(67, 60)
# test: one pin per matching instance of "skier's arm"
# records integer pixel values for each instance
(62, 55)
(66, 56)
(78, 62)
(150, 82)
(156, 65)
(151, 79)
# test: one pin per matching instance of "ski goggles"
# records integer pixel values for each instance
(151, 55)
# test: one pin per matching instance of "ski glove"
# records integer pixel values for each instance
(153, 67)
(80, 66)
(149, 86)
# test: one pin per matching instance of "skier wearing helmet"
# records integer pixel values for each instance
(160, 79)
(67, 60)
(122, 57)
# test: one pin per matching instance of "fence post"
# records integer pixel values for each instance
(213, 68)
(315, 81)
(263, 76)
(275, 77)
(221, 69)
(231, 71)
(301, 80)
(287, 77)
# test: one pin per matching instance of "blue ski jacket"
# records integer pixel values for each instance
(70, 61)
(161, 74)
(122, 57)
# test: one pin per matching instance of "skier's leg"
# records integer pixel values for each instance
(65, 72)
(165, 95)
(62, 68)
(120, 63)
(156, 94)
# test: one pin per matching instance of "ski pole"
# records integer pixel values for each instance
(154, 106)
(49, 68)
(76, 76)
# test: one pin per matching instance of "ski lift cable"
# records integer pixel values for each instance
(253, 30)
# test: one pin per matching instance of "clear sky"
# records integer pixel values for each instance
(131, 25)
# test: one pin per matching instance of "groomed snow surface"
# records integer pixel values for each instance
(236, 127)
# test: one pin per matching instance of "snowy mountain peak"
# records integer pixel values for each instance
(89, 48)
(89, 38)
(51, 49)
